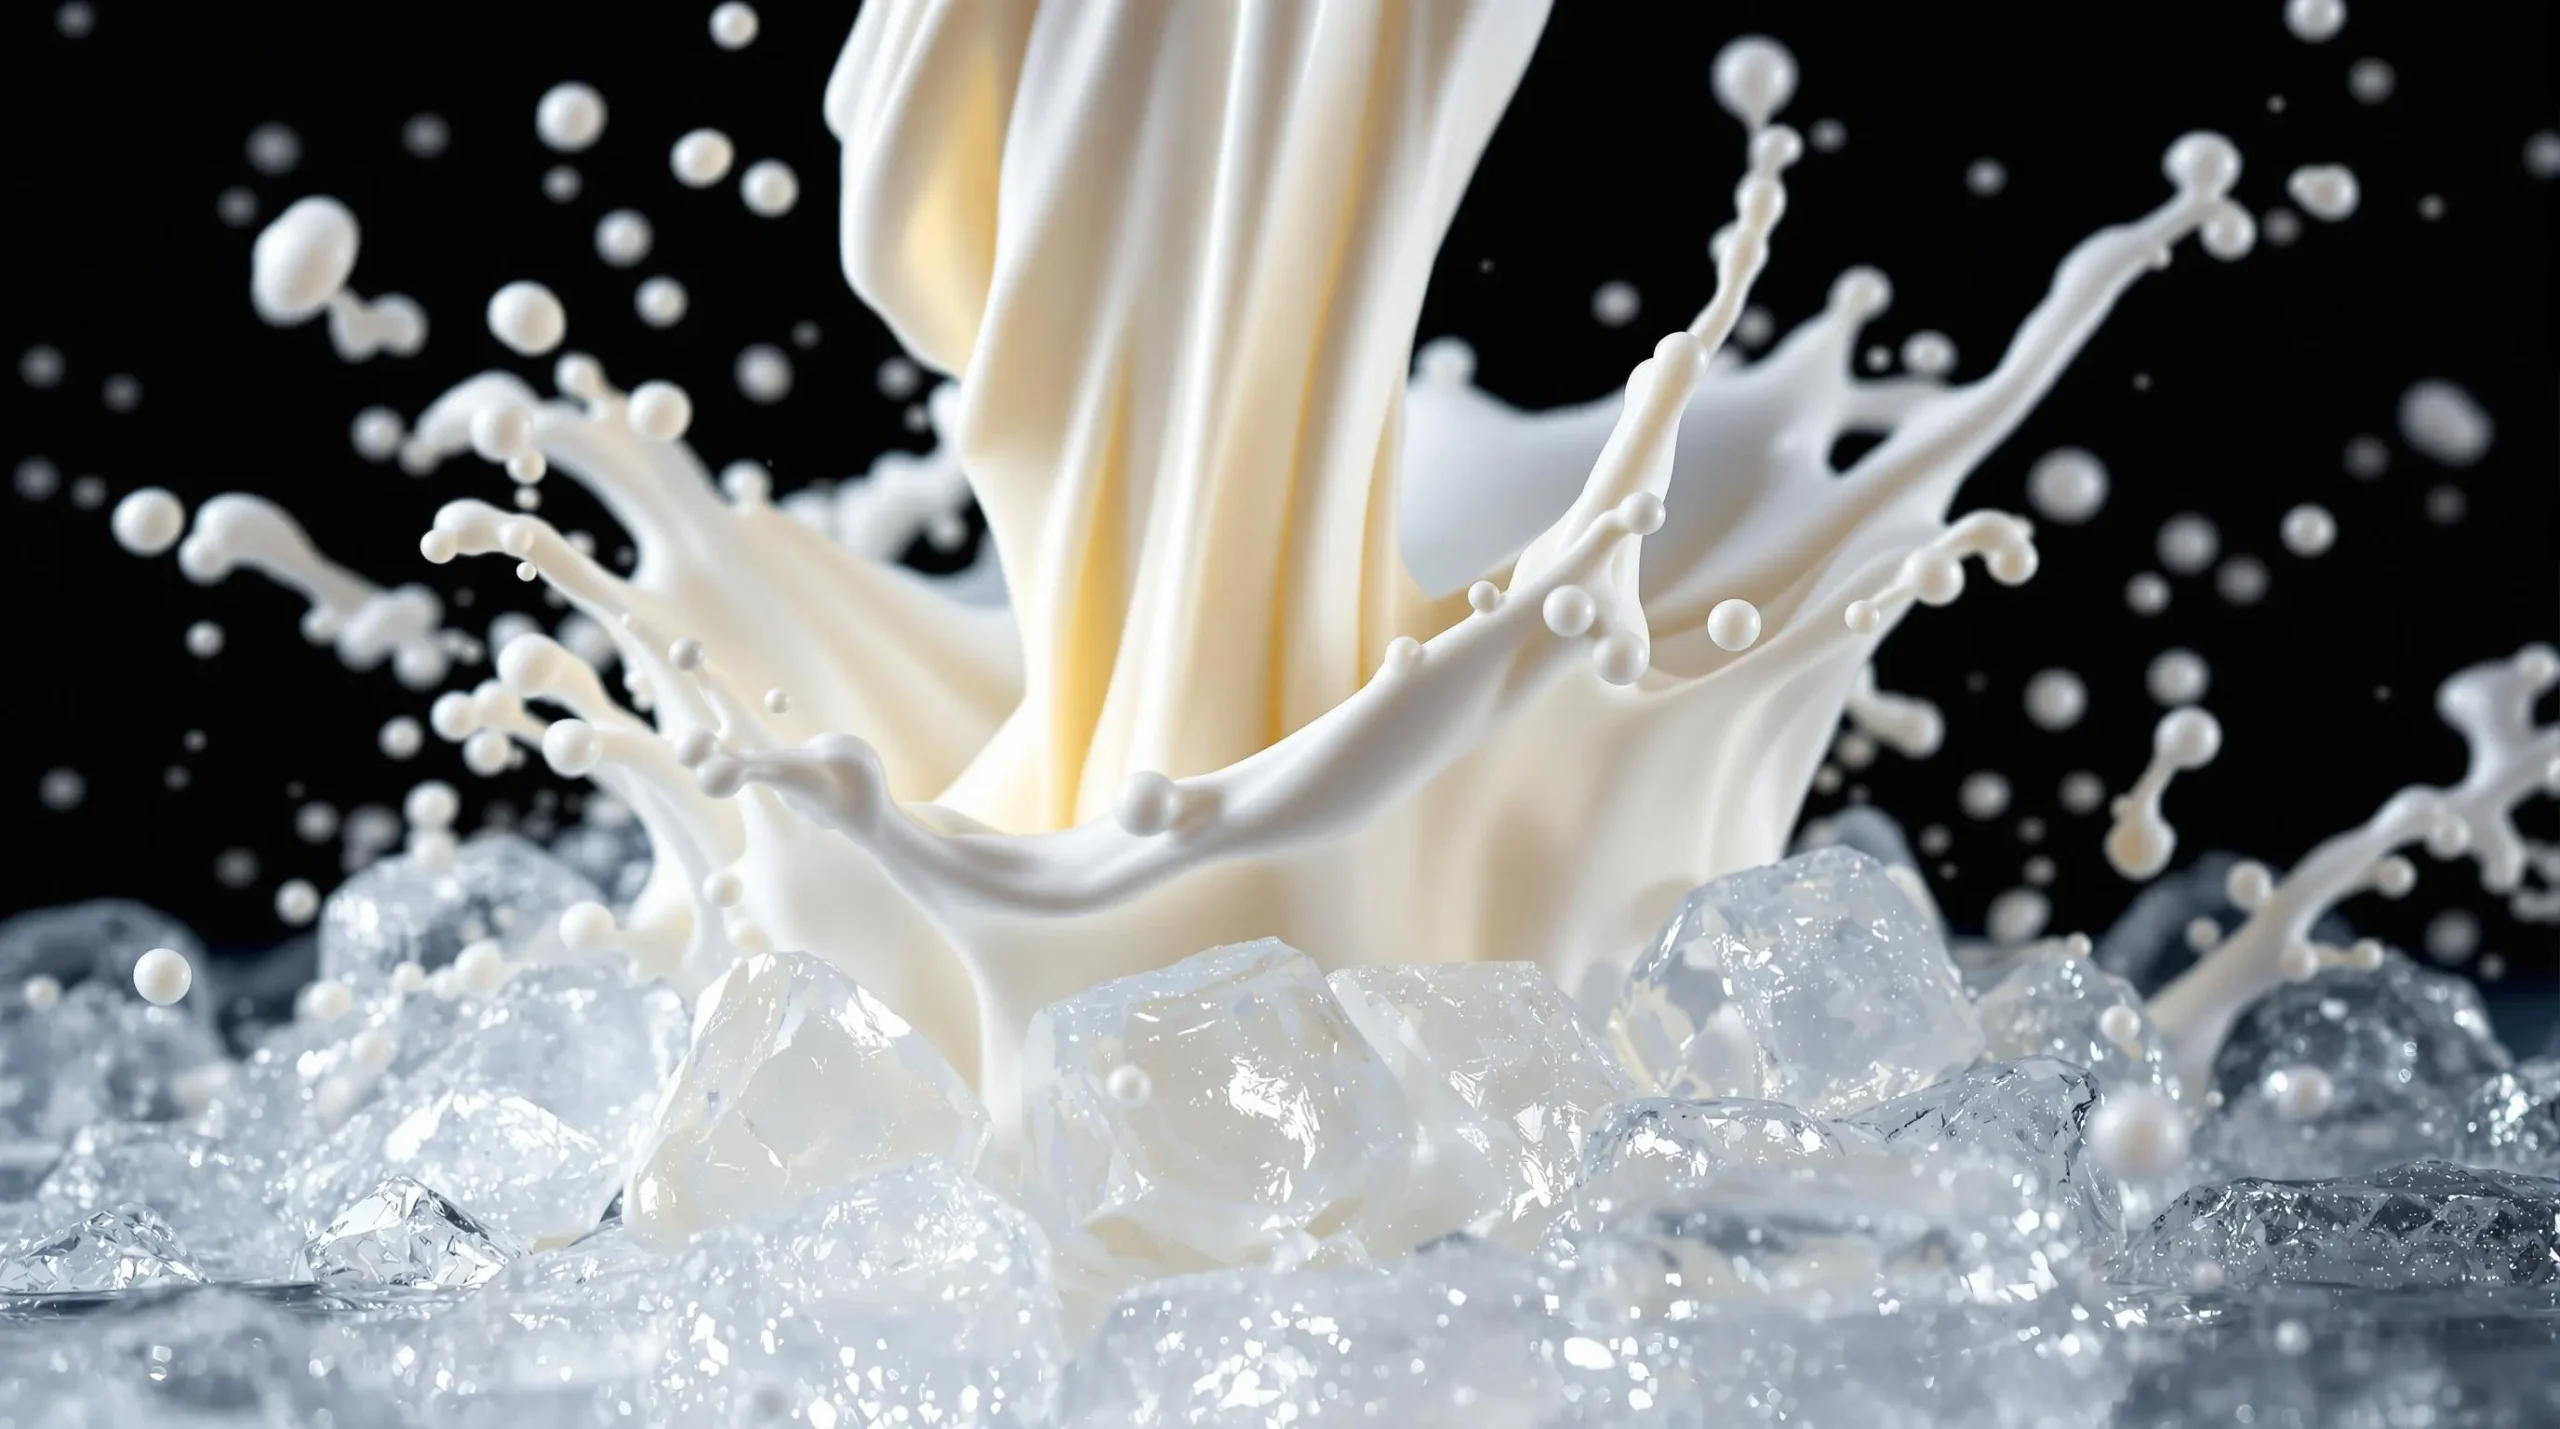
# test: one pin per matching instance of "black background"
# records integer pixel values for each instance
(1614, 163)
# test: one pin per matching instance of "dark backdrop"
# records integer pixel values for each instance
(2225, 388)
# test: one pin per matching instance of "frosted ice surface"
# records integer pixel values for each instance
(2025, 1117)
(399, 910)
(2054, 1004)
(2428, 1225)
(403, 1234)
(1812, 982)
(1461, 1334)
(2512, 1120)
(212, 1197)
(797, 1082)
(176, 1359)
(915, 1296)
(1503, 1082)
(1659, 1152)
(1206, 1112)
(2402, 1047)
(527, 1115)
(119, 1249)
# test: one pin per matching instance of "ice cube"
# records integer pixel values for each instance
(2397, 1050)
(120, 1249)
(98, 1054)
(1659, 1152)
(401, 1233)
(2512, 1120)
(528, 1115)
(1812, 982)
(212, 1197)
(914, 1296)
(1503, 1082)
(1208, 1112)
(404, 910)
(1463, 1333)
(2428, 1225)
(797, 1082)
(2058, 1004)
(1878, 835)
(2027, 1116)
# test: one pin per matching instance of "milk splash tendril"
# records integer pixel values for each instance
(1292, 644)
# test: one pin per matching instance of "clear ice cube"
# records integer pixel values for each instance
(98, 1054)
(122, 1249)
(1812, 982)
(213, 1197)
(2512, 1120)
(403, 1234)
(399, 909)
(914, 1296)
(528, 1115)
(1659, 1151)
(2428, 1225)
(2400, 1048)
(1209, 1112)
(1503, 1082)
(2056, 1003)
(2027, 1118)
(797, 1082)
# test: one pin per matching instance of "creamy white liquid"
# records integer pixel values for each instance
(1291, 645)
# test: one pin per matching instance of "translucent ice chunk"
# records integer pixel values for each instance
(1204, 1113)
(403, 1234)
(1503, 1081)
(797, 1082)
(528, 1115)
(98, 1054)
(112, 1250)
(2058, 1004)
(1659, 1152)
(1812, 982)
(2512, 1120)
(914, 1296)
(101, 939)
(212, 1197)
(1463, 1333)
(2394, 1051)
(2026, 1116)
(403, 910)
(2428, 1225)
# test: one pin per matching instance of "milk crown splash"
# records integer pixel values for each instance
(1297, 647)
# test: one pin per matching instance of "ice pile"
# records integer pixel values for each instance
(1249, 1193)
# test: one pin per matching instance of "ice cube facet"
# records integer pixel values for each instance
(213, 1197)
(2428, 1225)
(2058, 1004)
(1206, 1112)
(121, 1249)
(2026, 1115)
(400, 909)
(1812, 982)
(403, 1234)
(797, 1082)
(1503, 1082)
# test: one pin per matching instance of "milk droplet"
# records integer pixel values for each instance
(2177, 677)
(401, 737)
(561, 184)
(733, 25)
(1616, 303)
(75, 19)
(425, 135)
(701, 158)
(2366, 458)
(2445, 422)
(2327, 192)
(61, 790)
(2309, 530)
(1753, 78)
(301, 259)
(1569, 610)
(660, 302)
(2371, 81)
(623, 237)
(148, 522)
(204, 639)
(1986, 177)
(528, 318)
(769, 188)
(162, 976)
(2314, 21)
(2188, 543)
(569, 117)
(2120, 1024)
(41, 991)
(2293, 1338)
(2056, 699)
(2017, 916)
(2542, 154)
(1733, 624)
(898, 379)
(431, 804)
(274, 149)
(2300, 1093)
(297, 902)
(2081, 792)
(480, 968)
(2146, 593)
(1129, 1085)
(377, 433)
(2138, 1133)
(1929, 354)
(1983, 795)
(2452, 936)
(236, 207)
(2242, 580)
(660, 411)
(40, 366)
(763, 373)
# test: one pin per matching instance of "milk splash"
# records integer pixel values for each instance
(1292, 645)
